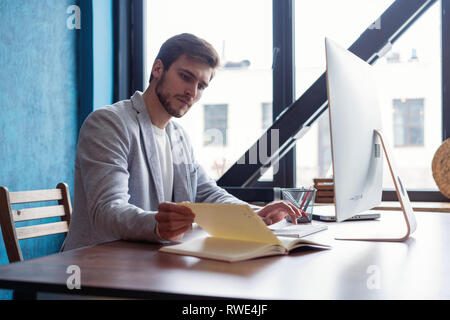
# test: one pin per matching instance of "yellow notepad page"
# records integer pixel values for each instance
(232, 221)
(224, 249)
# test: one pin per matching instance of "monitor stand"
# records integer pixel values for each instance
(403, 198)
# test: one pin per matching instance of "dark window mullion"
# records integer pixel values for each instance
(122, 50)
(138, 45)
(129, 48)
(284, 79)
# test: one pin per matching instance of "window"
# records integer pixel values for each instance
(410, 94)
(411, 69)
(241, 32)
(315, 20)
(216, 123)
(408, 122)
(342, 21)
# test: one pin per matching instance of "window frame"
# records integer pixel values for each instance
(129, 48)
(284, 81)
(284, 88)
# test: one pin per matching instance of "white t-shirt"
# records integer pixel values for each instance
(165, 160)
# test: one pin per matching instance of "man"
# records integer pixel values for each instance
(134, 165)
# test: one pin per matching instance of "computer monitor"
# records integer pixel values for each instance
(357, 145)
(354, 115)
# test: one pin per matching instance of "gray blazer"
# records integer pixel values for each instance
(118, 181)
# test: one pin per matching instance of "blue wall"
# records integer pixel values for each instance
(51, 78)
(38, 103)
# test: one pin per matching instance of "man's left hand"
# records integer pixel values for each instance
(277, 211)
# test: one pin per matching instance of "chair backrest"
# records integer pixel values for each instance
(8, 216)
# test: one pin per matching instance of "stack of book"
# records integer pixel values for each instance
(325, 190)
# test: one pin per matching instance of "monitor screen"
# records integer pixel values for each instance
(354, 115)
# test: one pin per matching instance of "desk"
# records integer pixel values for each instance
(416, 269)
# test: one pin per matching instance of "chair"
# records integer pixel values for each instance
(8, 216)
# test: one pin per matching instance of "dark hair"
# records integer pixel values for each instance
(189, 45)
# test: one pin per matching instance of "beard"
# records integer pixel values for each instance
(164, 98)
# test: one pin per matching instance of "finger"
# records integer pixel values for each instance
(263, 212)
(298, 212)
(274, 216)
(280, 213)
(267, 220)
(170, 206)
(293, 213)
(289, 209)
(167, 216)
(269, 208)
(172, 225)
(173, 235)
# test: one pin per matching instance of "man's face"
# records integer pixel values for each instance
(182, 85)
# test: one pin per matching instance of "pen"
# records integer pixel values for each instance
(304, 199)
(308, 196)
(308, 201)
(291, 199)
(294, 202)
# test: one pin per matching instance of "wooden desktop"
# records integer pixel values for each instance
(415, 269)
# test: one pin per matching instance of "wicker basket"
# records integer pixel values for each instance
(441, 168)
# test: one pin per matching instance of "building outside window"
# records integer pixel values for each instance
(412, 68)
(408, 122)
(215, 125)
(243, 81)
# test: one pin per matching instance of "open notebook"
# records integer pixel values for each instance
(236, 234)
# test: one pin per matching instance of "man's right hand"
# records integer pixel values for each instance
(173, 220)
